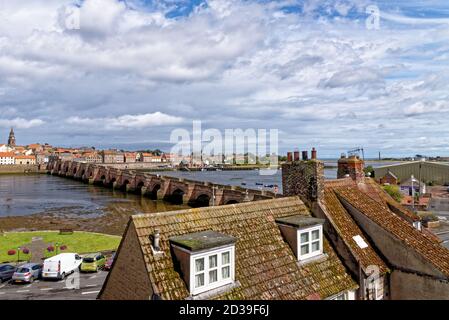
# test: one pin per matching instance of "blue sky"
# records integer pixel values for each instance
(135, 70)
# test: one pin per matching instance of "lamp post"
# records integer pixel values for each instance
(413, 193)
(18, 255)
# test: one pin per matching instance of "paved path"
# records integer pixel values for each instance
(89, 286)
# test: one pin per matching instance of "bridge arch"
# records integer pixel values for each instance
(153, 191)
(139, 187)
(124, 184)
(202, 200)
(176, 197)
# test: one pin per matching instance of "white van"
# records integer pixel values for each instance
(60, 266)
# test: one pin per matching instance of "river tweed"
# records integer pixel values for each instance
(45, 202)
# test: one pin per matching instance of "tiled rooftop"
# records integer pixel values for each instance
(346, 227)
(398, 227)
(266, 267)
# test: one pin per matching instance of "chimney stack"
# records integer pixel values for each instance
(296, 153)
(313, 154)
(305, 155)
(289, 157)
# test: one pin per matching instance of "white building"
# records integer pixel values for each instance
(7, 158)
(5, 148)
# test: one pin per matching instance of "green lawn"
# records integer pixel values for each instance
(79, 242)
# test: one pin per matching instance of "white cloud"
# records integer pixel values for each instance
(318, 75)
(21, 123)
(127, 121)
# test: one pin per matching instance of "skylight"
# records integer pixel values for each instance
(360, 242)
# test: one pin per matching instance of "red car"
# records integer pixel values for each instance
(109, 262)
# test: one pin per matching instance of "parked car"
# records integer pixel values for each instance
(60, 266)
(93, 262)
(108, 264)
(27, 273)
(6, 272)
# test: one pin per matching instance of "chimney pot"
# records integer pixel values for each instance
(289, 157)
(305, 155)
(313, 153)
(296, 154)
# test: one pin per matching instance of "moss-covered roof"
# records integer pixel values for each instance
(198, 241)
(265, 265)
(300, 221)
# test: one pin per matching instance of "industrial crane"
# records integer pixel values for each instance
(356, 152)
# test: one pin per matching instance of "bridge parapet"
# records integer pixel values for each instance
(157, 186)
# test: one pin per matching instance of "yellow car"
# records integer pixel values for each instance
(93, 262)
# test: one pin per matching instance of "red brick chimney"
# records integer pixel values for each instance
(351, 166)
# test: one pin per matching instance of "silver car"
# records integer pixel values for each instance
(27, 273)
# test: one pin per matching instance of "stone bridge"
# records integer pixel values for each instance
(157, 187)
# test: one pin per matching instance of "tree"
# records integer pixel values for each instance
(370, 170)
(394, 192)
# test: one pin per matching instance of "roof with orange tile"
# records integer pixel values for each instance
(25, 157)
(375, 191)
(266, 267)
(398, 227)
(7, 155)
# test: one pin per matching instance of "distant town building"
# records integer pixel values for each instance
(130, 157)
(7, 158)
(25, 160)
(149, 157)
(11, 139)
(42, 157)
(389, 178)
(436, 173)
(5, 148)
(412, 186)
(112, 156)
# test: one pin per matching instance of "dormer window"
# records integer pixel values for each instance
(207, 259)
(304, 234)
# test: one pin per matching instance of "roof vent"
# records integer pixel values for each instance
(156, 240)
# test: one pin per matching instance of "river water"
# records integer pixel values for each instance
(22, 195)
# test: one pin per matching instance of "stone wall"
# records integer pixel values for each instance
(128, 278)
(17, 168)
(303, 178)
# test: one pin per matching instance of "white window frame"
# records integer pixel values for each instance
(220, 282)
(314, 253)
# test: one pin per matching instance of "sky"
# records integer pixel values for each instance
(325, 74)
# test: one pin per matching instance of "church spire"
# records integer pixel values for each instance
(12, 138)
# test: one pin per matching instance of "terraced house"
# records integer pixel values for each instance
(336, 239)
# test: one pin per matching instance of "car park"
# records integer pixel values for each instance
(60, 266)
(6, 272)
(93, 262)
(27, 273)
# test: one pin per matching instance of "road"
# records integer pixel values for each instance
(78, 286)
